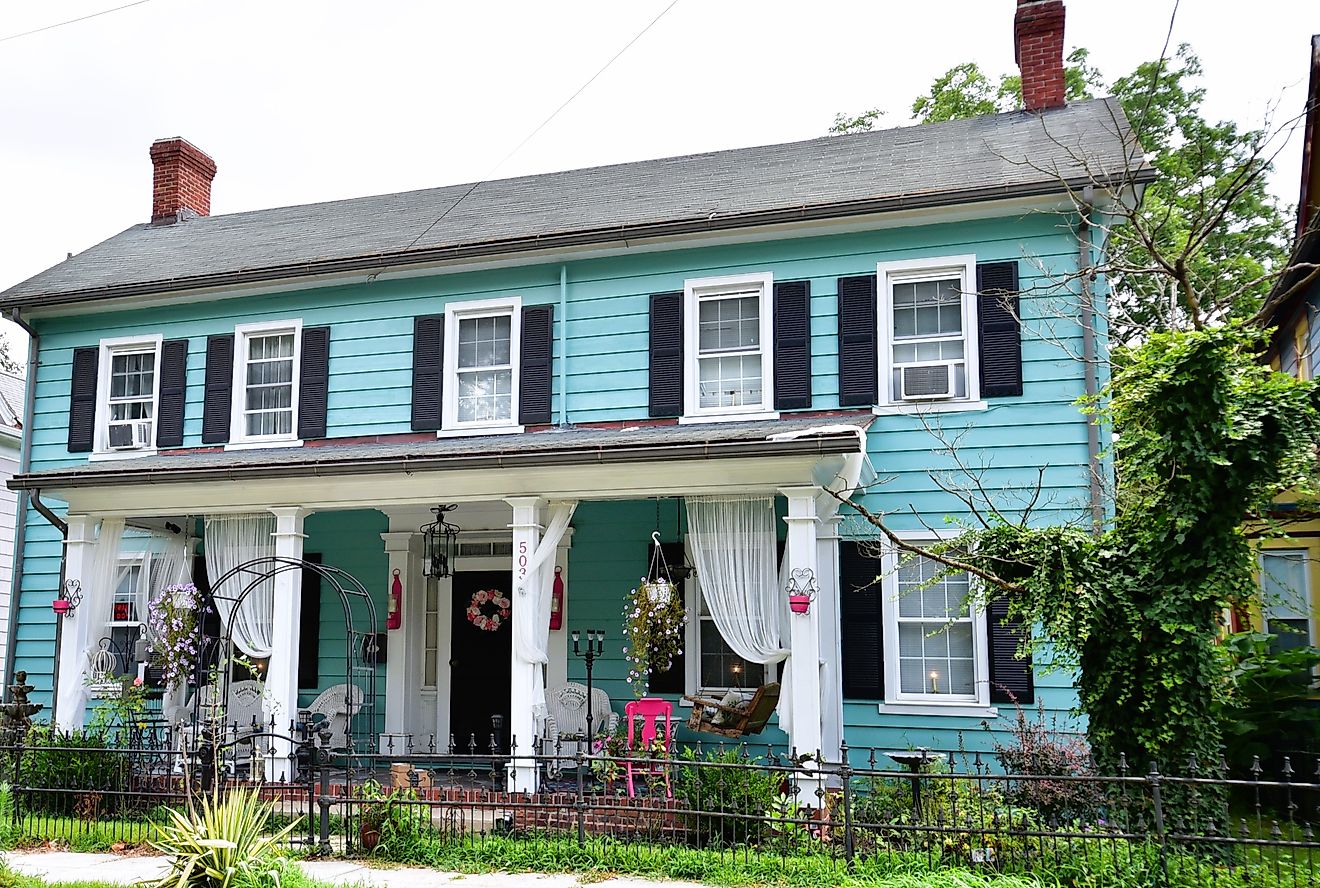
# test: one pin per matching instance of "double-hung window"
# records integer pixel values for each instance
(126, 407)
(266, 363)
(481, 364)
(730, 366)
(928, 330)
(935, 636)
(1285, 597)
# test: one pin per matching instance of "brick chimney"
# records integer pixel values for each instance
(181, 184)
(1038, 45)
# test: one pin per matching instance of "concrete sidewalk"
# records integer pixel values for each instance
(67, 866)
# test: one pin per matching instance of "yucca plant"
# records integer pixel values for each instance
(220, 843)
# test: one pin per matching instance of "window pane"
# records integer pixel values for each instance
(936, 646)
(725, 324)
(1283, 584)
(721, 667)
(485, 395)
(927, 308)
(484, 342)
(730, 381)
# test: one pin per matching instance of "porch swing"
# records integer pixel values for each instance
(736, 720)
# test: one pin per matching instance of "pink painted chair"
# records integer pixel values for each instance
(649, 711)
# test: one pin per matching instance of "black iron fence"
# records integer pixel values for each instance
(864, 809)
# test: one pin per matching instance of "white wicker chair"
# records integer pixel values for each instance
(237, 720)
(566, 713)
(338, 704)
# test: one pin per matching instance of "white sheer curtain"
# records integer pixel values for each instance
(232, 540)
(98, 599)
(531, 638)
(733, 546)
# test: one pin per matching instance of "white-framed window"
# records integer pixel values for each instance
(127, 395)
(124, 627)
(266, 370)
(729, 347)
(482, 354)
(1286, 597)
(936, 645)
(431, 636)
(927, 337)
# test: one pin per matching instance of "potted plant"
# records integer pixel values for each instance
(654, 618)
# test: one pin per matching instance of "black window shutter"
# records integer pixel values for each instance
(428, 372)
(313, 382)
(1000, 329)
(82, 399)
(674, 679)
(863, 628)
(1011, 679)
(538, 324)
(173, 392)
(857, 332)
(792, 345)
(219, 388)
(309, 625)
(666, 354)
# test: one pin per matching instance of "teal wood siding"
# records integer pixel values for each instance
(349, 541)
(34, 635)
(607, 336)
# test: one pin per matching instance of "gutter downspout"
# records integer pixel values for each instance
(1089, 358)
(563, 346)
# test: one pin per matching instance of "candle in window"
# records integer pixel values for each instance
(934, 682)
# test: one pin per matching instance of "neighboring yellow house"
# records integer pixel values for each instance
(1290, 568)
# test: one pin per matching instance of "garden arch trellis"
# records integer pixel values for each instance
(360, 656)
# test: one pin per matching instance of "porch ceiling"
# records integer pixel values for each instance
(581, 463)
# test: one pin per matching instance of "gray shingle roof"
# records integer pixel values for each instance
(573, 446)
(981, 158)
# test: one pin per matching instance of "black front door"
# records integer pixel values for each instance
(479, 665)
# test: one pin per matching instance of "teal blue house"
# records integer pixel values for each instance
(700, 351)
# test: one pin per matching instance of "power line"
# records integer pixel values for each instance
(542, 125)
(72, 21)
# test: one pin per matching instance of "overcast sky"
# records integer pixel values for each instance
(309, 101)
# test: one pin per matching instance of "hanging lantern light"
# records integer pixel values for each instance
(440, 544)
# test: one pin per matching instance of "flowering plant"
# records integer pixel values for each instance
(654, 617)
(488, 622)
(173, 616)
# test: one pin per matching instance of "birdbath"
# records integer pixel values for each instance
(16, 715)
(915, 760)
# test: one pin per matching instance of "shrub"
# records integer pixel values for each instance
(1038, 748)
(74, 772)
(731, 791)
(220, 843)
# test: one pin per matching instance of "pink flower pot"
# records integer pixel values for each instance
(799, 604)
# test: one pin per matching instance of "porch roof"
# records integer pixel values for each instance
(578, 447)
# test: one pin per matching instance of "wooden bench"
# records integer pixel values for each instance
(738, 721)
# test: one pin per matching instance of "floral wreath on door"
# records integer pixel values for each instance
(488, 622)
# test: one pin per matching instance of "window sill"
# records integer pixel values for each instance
(922, 407)
(957, 710)
(264, 445)
(478, 431)
(111, 455)
(728, 417)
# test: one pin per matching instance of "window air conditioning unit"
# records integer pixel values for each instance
(927, 382)
(132, 435)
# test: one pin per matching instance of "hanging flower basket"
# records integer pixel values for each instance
(173, 616)
(799, 604)
(654, 621)
(658, 592)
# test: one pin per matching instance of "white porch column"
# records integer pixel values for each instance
(282, 673)
(526, 527)
(79, 546)
(831, 641)
(402, 669)
(804, 632)
(556, 673)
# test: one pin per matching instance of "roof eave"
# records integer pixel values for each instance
(404, 259)
(821, 445)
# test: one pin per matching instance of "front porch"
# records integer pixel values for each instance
(440, 683)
